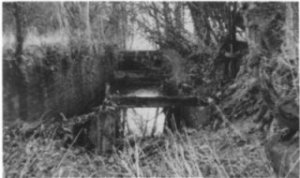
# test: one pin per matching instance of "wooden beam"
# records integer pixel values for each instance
(152, 78)
(142, 82)
(137, 74)
(159, 101)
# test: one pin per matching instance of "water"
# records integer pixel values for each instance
(141, 121)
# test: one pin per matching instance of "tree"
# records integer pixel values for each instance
(163, 23)
(22, 85)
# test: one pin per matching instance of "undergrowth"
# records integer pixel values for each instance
(187, 154)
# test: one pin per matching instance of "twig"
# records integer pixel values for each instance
(226, 121)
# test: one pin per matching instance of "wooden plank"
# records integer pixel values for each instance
(159, 101)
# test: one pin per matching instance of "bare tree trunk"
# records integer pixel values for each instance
(178, 13)
(59, 15)
(157, 23)
(88, 32)
(168, 21)
(115, 21)
(87, 21)
(19, 32)
(196, 14)
(102, 28)
(22, 86)
(63, 19)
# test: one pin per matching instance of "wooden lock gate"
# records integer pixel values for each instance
(126, 77)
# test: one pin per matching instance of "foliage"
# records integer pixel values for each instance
(164, 23)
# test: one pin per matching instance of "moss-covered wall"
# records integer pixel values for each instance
(58, 81)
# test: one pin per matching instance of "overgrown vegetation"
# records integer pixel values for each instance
(192, 153)
(241, 57)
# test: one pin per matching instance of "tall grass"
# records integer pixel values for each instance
(189, 154)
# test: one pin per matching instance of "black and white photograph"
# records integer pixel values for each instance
(206, 89)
